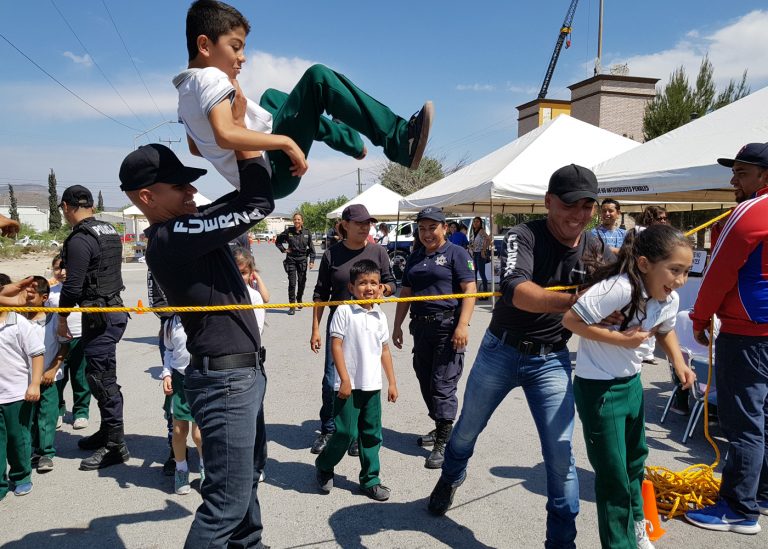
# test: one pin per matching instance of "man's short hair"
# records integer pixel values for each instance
(363, 267)
(4, 279)
(611, 201)
(212, 19)
(41, 285)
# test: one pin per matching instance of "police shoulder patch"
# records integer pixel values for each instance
(471, 265)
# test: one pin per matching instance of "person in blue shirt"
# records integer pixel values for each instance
(455, 236)
(609, 231)
(439, 328)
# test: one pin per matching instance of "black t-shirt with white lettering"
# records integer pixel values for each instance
(532, 253)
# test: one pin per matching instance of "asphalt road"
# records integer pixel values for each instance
(500, 505)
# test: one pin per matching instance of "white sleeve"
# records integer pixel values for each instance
(213, 88)
(181, 357)
(32, 342)
(669, 324)
(384, 333)
(339, 322)
(602, 299)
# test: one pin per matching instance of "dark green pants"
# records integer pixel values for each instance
(44, 417)
(299, 116)
(15, 444)
(613, 420)
(359, 417)
(74, 372)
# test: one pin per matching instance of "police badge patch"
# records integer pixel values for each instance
(440, 260)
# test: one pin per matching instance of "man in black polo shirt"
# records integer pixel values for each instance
(525, 345)
(189, 257)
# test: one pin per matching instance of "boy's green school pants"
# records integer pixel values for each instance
(15, 444)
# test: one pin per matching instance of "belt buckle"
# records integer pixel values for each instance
(525, 347)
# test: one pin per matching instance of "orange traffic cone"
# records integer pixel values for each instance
(651, 512)
(140, 305)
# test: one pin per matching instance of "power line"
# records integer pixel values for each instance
(125, 46)
(49, 75)
(93, 60)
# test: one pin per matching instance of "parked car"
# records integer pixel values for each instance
(28, 241)
(263, 237)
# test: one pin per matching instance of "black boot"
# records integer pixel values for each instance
(113, 452)
(95, 441)
(442, 434)
(428, 439)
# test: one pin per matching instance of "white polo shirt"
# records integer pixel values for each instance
(74, 320)
(597, 360)
(260, 314)
(199, 91)
(176, 356)
(19, 342)
(364, 333)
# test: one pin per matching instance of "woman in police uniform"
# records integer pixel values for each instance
(439, 328)
(296, 243)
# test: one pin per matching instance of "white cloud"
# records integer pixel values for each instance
(476, 87)
(263, 70)
(527, 90)
(732, 48)
(84, 60)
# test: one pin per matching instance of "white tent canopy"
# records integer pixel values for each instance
(681, 165)
(380, 202)
(515, 177)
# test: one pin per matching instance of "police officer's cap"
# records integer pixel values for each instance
(150, 164)
(431, 212)
(77, 196)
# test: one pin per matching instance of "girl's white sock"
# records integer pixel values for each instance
(182, 465)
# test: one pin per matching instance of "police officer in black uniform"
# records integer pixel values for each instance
(299, 245)
(439, 328)
(92, 255)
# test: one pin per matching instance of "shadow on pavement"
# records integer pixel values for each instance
(534, 479)
(100, 532)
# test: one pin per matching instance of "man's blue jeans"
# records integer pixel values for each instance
(227, 405)
(327, 423)
(546, 381)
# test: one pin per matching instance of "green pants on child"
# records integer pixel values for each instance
(613, 421)
(74, 372)
(358, 416)
(44, 417)
(15, 444)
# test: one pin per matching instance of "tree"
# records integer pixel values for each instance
(13, 208)
(314, 213)
(54, 215)
(404, 181)
(100, 203)
(680, 102)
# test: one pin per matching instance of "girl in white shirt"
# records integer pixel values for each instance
(607, 387)
(256, 287)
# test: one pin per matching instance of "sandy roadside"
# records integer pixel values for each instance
(38, 263)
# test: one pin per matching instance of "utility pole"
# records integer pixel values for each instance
(598, 68)
(359, 181)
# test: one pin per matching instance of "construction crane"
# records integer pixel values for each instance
(565, 32)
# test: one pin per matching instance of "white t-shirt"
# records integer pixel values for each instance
(261, 315)
(364, 333)
(597, 360)
(176, 356)
(52, 342)
(199, 91)
(74, 320)
(19, 342)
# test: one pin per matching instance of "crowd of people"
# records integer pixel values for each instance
(213, 374)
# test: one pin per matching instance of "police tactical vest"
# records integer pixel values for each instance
(103, 281)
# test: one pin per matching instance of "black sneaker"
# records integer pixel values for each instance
(418, 134)
(441, 498)
(324, 480)
(44, 464)
(291, 311)
(377, 492)
(319, 445)
(106, 456)
(354, 448)
(35, 459)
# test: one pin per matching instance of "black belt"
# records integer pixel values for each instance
(226, 362)
(436, 317)
(526, 346)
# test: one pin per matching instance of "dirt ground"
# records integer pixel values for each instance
(37, 263)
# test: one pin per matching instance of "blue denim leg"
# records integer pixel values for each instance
(327, 424)
(227, 407)
(546, 381)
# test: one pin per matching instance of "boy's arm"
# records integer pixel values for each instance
(345, 388)
(193, 147)
(49, 376)
(389, 371)
(33, 390)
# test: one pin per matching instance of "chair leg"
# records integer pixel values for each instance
(695, 415)
(669, 403)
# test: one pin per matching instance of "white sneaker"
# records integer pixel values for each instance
(642, 536)
(80, 423)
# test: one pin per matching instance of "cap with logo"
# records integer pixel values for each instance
(358, 213)
(572, 183)
(77, 196)
(751, 153)
(431, 212)
(154, 163)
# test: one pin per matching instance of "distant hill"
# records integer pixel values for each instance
(27, 194)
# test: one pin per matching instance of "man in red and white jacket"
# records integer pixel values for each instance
(735, 287)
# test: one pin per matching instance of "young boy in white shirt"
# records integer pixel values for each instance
(360, 350)
(21, 356)
(223, 126)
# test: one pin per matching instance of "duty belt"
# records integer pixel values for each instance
(226, 362)
(436, 317)
(525, 346)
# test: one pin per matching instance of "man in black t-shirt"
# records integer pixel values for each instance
(525, 345)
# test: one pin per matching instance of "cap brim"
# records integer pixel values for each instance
(185, 175)
(363, 220)
(727, 162)
(433, 218)
(575, 196)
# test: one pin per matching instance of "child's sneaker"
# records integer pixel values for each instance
(641, 536)
(324, 480)
(202, 475)
(80, 423)
(418, 133)
(762, 504)
(22, 489)
(59, 422)
(377, 492)
(722, 518)
(181, 483)
(44, 464)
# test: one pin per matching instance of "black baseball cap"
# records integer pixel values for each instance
(357, 212)
(77, 196)
(431, 212)
(751, 153)
(154, 163)
(572, 183)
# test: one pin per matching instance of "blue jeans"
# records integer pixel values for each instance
(742, 408)
(546, 381)
(327, 423)
(227, 406)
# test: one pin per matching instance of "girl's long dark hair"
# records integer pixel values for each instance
(655, 243)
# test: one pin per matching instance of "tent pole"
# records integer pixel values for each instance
(493, 253)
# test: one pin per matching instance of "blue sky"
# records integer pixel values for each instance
(477, 62)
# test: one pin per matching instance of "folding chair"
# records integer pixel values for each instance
(698, 391)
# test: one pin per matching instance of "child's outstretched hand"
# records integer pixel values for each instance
(33, 393)
(345, 389)
(167, 385)
(634, 337)
(392, 393)
(686, 376)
